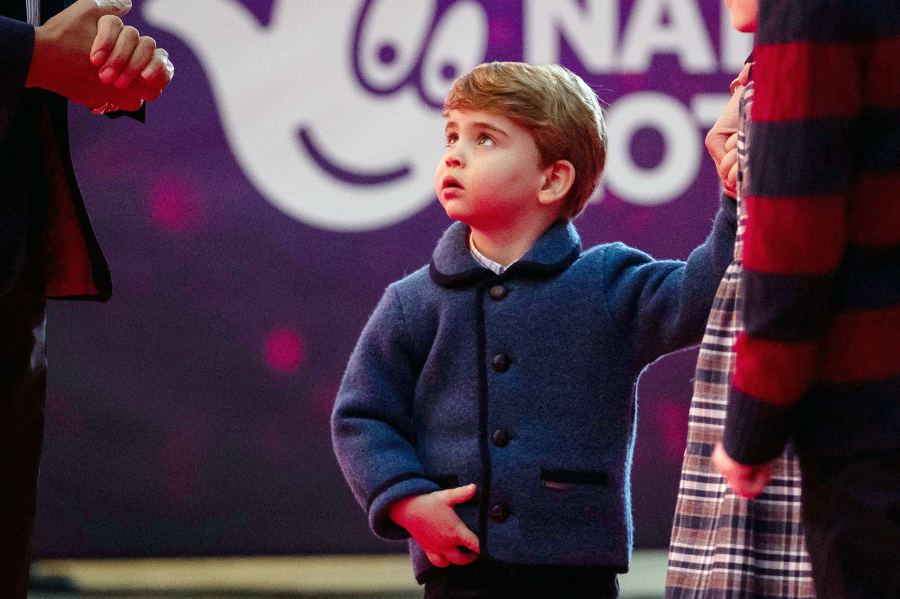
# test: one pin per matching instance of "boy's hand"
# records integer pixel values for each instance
(435, 526)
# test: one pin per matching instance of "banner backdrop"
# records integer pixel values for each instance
(283, 180)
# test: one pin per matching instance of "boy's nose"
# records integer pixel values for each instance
(453, 158)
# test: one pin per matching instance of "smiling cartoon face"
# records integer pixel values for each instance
(333, 112)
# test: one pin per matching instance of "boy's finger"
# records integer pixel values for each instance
(458, 558)
(108, 28)
(437, 559)
(461, 494)
(469, 540)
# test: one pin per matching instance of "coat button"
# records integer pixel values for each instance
(498, 292)
(500, 437)
(500, 362)
(499, 513)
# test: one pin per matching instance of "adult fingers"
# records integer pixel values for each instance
(730, 181)
(98, 8)
(159, 71)
(140, 58)
(715, 142)
(108, 28)
(460, 494)
(759, 479)
(92, 10)
(437, 559)
(732, 142)
(729, 160)
(121, 55)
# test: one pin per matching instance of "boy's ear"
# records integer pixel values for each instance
(558, 180)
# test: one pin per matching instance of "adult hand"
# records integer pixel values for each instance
(745, 481)
(718, 138)
(728, 165)
(121, 54)
(436, 527)
(61, 59)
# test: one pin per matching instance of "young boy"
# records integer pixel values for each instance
(487, 411)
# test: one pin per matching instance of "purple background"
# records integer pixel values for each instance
(190, 414)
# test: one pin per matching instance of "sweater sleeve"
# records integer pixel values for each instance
(662, 305)
(806, 114)
(372, 423)
(16, 47)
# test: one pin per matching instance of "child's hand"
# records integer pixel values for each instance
(435, 526)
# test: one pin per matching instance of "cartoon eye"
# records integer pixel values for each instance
(458, 44)
(389, 37)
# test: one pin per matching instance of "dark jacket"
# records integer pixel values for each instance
(41, 208)
(521, 383)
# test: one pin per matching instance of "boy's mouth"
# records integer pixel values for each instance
(450, 182)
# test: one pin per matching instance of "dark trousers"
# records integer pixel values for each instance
(486, 580)
(22, 388)
(851, 511)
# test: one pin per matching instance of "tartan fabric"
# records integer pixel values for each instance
(724, 546)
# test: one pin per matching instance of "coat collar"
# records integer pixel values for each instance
(452, 264)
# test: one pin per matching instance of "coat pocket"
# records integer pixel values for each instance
(560, 480)
(445, 481)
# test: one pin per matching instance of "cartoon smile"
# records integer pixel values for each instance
(345, 174)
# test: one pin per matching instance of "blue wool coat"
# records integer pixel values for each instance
(521, 383)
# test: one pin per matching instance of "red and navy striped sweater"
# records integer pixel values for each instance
(820, 359)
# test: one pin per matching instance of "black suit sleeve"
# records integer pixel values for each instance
(16, 47)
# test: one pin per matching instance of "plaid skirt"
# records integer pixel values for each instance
(724, 546)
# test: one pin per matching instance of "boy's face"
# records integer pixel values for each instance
(491, 172)
(744, 14)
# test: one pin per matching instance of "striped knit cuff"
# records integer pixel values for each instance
(755, 431)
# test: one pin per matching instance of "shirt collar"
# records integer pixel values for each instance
(494, 267)
(454, 265)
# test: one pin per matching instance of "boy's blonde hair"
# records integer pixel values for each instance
(556, 105)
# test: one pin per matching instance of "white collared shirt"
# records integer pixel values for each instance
(33, 11)
(495, 267)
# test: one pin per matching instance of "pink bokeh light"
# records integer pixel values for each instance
(284, 350)
(175, 205)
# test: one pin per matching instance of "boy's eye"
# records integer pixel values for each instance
(451, 139)
(485, 140)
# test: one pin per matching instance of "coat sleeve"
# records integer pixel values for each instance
(372, 423)
(16, 47)
(662, 305)
(818, 65)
